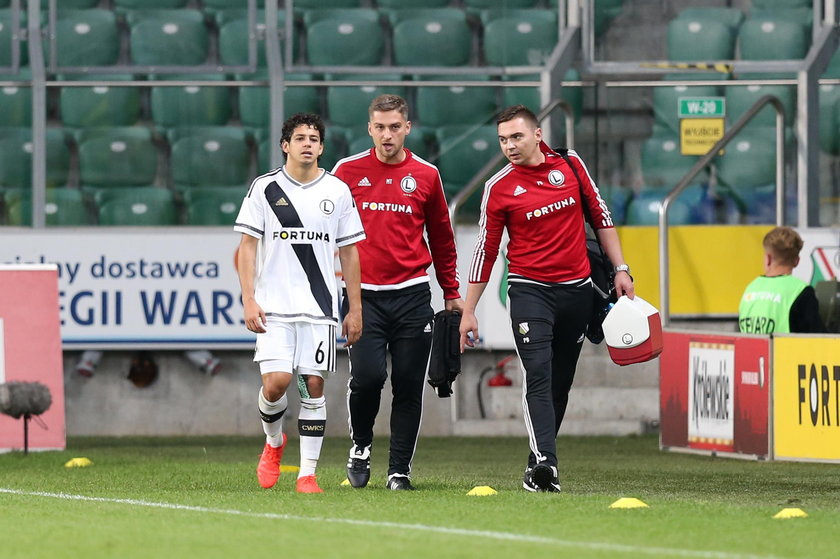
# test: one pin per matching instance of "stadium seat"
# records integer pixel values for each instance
(232, 4)
(663, 166)
(643, 209)
(348, 105)
(82, 107)
(344, 14)
(16, 104)
(740, 98)
(144, 206)
(749, 160)
(254, 100)
(213, 205)
(666, 101)
(64, 207)
(773, 39)
(86, 38)
(416, 11)
(190, 105)
(149, 4)
(439, 106)
(233, 37)
(733, 17)
(309, 4)
(264, 147)
(335, 147)
(169, 38)
(508, 4)
(765, 4)
(617, 199)
(6, 39)
(345, 42)
(117, 156)
(432, 41)
(700, 40)
(68, 4)
(801, 15)
(464, 150)
(523, 38)
(16, 158)
(400, 4)
(209, 156)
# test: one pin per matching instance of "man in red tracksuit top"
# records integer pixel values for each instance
(398, 196)
(538, 198)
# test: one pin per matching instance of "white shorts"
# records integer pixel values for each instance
(286, 347)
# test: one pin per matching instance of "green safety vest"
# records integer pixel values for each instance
(765, 304)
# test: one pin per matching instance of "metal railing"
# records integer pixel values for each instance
(477, 179)
(664, 260)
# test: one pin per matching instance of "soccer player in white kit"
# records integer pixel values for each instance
(292, 220)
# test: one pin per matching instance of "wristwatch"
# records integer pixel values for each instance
(622, 268)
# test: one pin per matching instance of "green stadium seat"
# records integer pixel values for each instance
(348, 105)
(117, 156)
(698, 39)
(86, 38)
(190, 105)
(264, 147)
(801, 15)
(213, 205)
(439, 106)
(397, 15)
(522, 38)
(740, 98)
(617, 199)
(749, 160)
(145, 206)
(345, 41)
(666, 101)
(234, 33)
(254, 110)
(773, 39)
(149, 4)
(643, 209)
(16, 158)
(432, 41)
(64, 207)
(464, 150)
(344, 14)
(400, 4)
(232, 5)
(6, 39)
(69, 4)
(490, 4)
(209, 156)
(663, 166)
(766, 4)
(169, 38)
(310, 4)
(16, 104)
(82, 107)
(733, 17)
(335, 147)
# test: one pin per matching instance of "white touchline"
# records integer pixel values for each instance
(631, 549)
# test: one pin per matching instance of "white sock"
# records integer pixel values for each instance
(272, 418)
(311, 423)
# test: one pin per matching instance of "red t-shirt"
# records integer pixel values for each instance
(541, 207)
(396, 203)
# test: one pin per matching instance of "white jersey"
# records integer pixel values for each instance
(299, 227)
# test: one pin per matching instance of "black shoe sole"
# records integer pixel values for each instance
(542, 476)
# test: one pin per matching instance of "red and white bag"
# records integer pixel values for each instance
(633, 331)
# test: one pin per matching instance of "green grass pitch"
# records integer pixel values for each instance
(198, 497)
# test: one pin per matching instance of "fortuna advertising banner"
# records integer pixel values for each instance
(806, 397)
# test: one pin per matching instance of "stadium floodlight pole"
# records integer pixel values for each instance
(664, 261)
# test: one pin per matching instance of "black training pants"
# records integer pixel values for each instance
(398, 323)
(548, 325)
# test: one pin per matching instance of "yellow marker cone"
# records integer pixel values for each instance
(78, 463)
(481, 491)
(791, 513)
(289, 468)
(628, 503)
(345, 483)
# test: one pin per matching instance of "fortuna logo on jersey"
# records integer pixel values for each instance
(387, 207)
(301, 235)
(553, 207)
